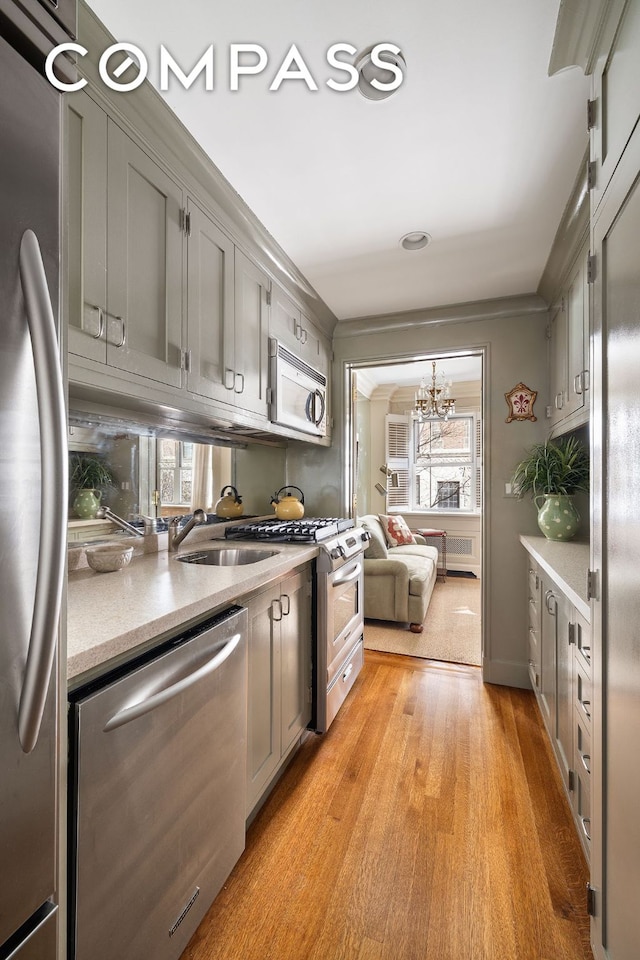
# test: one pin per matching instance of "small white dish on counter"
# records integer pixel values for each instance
(109, 557)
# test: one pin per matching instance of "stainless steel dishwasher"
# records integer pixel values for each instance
(158, 765)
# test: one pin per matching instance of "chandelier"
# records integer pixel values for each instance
(434, 401)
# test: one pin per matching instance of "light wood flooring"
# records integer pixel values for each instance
(428, 824)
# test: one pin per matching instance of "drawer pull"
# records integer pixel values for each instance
(586, 826)
(347, 673)
(586, 760)
(585, 705)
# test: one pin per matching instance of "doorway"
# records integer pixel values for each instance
(427, 466)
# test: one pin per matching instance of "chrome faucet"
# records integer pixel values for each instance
(176, 536)
(104, 513)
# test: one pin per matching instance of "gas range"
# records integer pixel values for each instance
(339, 538)
(309, 530)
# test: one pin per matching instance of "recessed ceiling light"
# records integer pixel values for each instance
(369, 71)
(415, 241)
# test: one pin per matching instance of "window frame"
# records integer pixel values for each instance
(409, 466)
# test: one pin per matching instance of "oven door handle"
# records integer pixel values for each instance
(349, 577)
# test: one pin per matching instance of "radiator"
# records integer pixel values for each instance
(456, 546)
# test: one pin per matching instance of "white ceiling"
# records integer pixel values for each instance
(479, 147)
(461, 369)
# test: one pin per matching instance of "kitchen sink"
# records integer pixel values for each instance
(227, 557)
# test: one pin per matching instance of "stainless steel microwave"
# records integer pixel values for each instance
(298, 392)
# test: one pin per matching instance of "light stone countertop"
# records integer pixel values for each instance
(114, 616)
(567, 564)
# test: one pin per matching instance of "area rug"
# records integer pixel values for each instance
(452, 629)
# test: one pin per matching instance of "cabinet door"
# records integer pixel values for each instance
(559, 369)
(295, 632)
(285, 322)
(548, 659)
(86, 205)
(251, 363)
(616, 497)
(209, 308)
(564, 686)
(577, 304)
(534, 603)
(263, 720)
(144, 248)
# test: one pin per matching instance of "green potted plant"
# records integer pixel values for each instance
(89, 477)
(552, 472)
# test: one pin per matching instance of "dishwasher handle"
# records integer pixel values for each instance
(136, 710)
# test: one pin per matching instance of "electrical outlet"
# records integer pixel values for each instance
(508, 490)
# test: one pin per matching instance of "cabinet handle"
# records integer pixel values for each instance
(548, 597)
(559, 401)
(99, 334)
(585, 380)
(577, 384)
(347, 673)
(273, 606)
(285, 596)
(123, 334)
(586, 760)
(586, 824)
(572, 633)
(586, 652)
(227, 385)
(303, 336)
(585, 704)
(235, 381)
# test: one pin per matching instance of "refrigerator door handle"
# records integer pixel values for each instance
(139, 709)
(53, 519)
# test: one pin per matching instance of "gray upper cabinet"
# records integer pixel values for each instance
(144, 251)
(616, 94)
(86, 196)
(210, 308)
(569, 354)
(124, 250)
(293, 328)
(251, 336)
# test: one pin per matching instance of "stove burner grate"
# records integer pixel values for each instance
(309, 530)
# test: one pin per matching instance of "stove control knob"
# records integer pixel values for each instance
(365, 536)
(337, 552)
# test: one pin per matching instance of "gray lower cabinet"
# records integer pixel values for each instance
(279, 701)
(559, 653)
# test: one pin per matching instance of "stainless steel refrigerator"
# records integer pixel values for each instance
(32, 487)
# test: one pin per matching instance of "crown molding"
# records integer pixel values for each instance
(572, 233)
(503, 307)
(584, 30)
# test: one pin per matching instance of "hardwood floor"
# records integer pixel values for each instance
(428, 823)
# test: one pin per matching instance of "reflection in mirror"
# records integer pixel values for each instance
(141, 476)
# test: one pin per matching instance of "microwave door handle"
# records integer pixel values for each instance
(53, 522)
(318, 396)
(146, 705)
(310, 408)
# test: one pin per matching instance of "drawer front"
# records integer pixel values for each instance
(583, 643)
(582, 781)
(582, 689)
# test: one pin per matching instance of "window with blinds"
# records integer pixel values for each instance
(437, 464)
